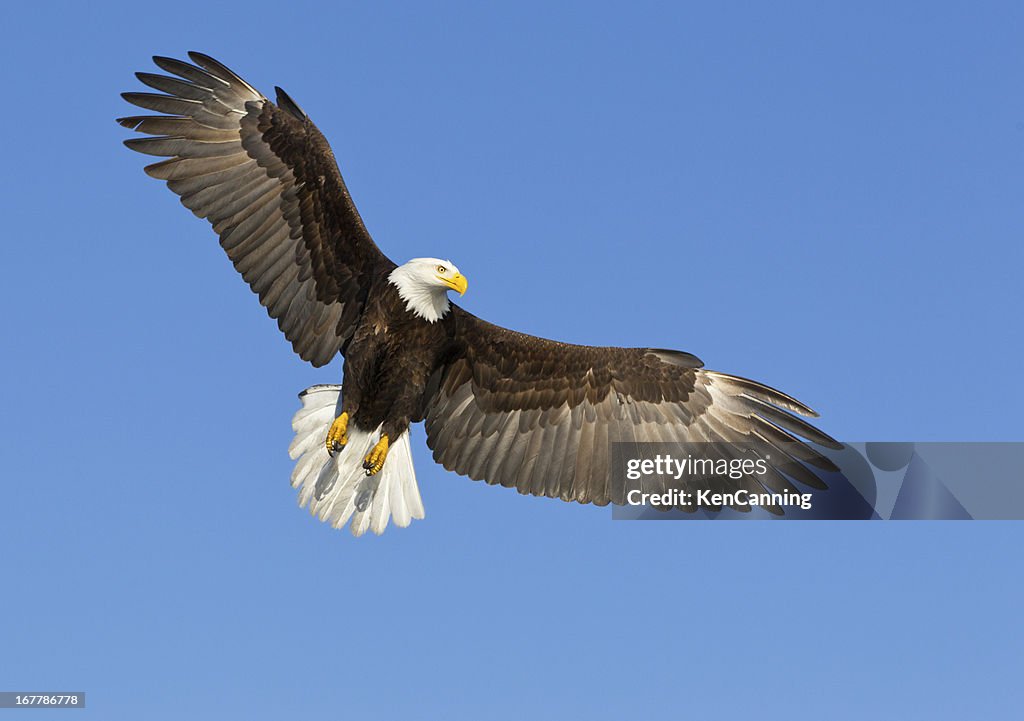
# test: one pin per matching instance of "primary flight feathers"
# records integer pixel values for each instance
(498, 405)
(266, 180)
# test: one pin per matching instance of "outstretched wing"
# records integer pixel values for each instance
(541, 416)
(266, 179)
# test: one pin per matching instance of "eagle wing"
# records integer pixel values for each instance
(266, 179)
(541, 416)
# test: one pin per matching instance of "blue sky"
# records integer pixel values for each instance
(822, 196)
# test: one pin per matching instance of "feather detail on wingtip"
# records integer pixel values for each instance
(284, 100)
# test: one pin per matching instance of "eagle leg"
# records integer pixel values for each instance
(337, 436)
(374, 460)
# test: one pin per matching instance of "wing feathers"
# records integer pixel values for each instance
(164, 125)
(266, 180)
(196, 76)
(184, 147)
(179, 168)
(542, 416)
(173, 86)
(218, 70)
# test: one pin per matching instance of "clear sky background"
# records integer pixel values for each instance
(823, 196)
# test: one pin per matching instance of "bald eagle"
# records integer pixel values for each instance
(500, 406)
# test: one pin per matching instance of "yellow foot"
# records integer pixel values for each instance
(374, 460)
(337, 436)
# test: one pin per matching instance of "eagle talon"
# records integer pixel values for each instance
(337, 436)
(374, 460)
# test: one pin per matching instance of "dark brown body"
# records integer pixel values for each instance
(389, 362)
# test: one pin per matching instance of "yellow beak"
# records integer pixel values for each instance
(456, 282)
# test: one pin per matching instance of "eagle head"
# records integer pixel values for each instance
(423, 283)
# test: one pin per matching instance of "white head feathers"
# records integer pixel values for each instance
(423, 283)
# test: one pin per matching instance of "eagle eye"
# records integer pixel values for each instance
(441, 269)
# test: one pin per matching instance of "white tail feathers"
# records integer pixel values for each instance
(337, 489)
